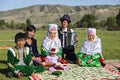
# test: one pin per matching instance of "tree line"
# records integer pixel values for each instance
(14, 25)
(88, 20)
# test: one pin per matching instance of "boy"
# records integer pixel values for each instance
(68, 49)
(19, 59)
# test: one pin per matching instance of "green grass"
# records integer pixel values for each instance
(110, 45)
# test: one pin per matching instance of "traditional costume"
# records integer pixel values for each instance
(50, 43)
(91, 50)
(19, 60)
(67, 37)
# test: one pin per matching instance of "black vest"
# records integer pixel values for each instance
(64, 37)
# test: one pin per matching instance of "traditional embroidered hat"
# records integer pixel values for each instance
(65, 17)
(52, 27)
(91, 31)
(53, 50)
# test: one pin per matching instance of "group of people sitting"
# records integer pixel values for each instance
(24, 58)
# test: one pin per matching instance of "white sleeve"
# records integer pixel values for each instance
(71, 30)
(98, 47)
(84, 47)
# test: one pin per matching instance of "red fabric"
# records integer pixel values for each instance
(101, 61)
(45, 59)
(53, 50)
(63, 61)
(34, 77)
(58, 68)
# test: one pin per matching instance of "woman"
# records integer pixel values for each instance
(91, 51)
(32, 44)
(51, 40)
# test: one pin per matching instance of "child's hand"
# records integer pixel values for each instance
(59, 59)
(39, 59)
(76, 39)
(43, 63)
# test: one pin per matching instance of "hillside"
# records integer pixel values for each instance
(45, 14)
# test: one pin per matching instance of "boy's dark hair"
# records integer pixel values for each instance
(30, 28)
(19, 35)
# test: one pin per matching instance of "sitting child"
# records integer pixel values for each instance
(20, 59)
(57, 61)
(52, 57)
(91, 51)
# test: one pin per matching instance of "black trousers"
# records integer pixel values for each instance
(69, 54)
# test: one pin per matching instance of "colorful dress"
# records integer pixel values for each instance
(19, 60)
(91, 50)
(53, 59)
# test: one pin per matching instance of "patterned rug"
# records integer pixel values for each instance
(75, 72)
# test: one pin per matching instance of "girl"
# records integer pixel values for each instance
(32, 44)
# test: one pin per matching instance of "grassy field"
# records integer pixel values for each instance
(110, 45)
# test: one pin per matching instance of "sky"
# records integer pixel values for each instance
(14, 4)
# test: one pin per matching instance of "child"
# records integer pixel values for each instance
(91, 51)
(52, 57)
(51, 40)
(19, 59)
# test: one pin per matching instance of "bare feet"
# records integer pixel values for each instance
(19, 75)
(78, 61)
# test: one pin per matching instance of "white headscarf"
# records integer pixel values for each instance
(52, 27)
(47, 42)
(94, 47)
(91, 31)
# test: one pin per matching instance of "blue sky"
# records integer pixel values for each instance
(13, 4)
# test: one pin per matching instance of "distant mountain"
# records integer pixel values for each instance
(45, 14)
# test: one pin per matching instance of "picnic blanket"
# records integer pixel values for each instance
(75, 72)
